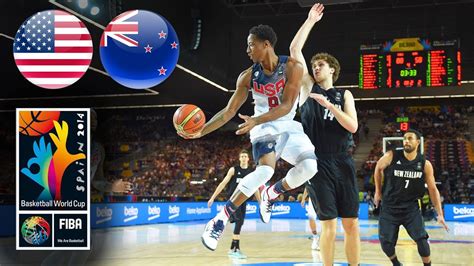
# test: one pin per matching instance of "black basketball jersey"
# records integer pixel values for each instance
(325, 132)
(239, 173)
(404, 181)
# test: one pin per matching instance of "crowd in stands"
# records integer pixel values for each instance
(7, 153)
(446, 142)
(143, 148)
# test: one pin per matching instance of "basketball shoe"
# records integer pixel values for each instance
(265, 205)
(237, 254)
(315, 243)
(212, 234)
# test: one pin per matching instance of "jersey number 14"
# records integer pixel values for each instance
(328, 115)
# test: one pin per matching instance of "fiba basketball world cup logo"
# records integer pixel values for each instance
(50, 158)
(52, 176)
(35, 230)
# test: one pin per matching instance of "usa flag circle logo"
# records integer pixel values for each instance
(139, 49)
(52, 49)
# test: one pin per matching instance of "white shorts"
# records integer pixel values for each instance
(310, 210)
(291, 141)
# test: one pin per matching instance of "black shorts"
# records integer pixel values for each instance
(333, 189)
(239, 214)
(391, 218)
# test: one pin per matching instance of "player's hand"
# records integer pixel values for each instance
(316, 12)
(443, 222)
(189, 136)
(377, 198)
(121, 186)
(321, 99)
(209, 203)
(245, 127)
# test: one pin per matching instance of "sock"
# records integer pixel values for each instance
(275, 190)
(427, 264)
(232, 246)
(225, 213)
(235, 244)
(395, 262)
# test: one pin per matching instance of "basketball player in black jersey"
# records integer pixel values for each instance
(405, 173)
(233, 177)
(329, 118)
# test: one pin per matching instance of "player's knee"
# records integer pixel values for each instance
(388, 248)
(310, 167)
(423, 247)
(351, 226)
(250, 183)
(302, 172)
(329, 232)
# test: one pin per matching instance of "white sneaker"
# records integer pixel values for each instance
(315, 243)
(212, 234)
(265, 206)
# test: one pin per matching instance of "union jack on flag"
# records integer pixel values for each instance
(52, 49)
(118, 27)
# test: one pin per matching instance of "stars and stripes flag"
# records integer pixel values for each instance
(52, 49)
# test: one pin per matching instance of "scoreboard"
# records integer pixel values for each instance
(410, 62)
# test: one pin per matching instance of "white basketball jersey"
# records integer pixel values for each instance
(267, 90)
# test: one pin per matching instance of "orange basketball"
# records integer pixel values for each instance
(36, 123)
(189, 119)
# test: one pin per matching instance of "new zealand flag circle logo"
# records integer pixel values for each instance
(139, 49)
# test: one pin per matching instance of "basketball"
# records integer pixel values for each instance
(37, 123)
(189, 119)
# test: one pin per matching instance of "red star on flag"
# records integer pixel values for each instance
(162, 71)
(174, 45)
(162, 34)
(148, 48)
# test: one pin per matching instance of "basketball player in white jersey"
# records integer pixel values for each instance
(275, 83)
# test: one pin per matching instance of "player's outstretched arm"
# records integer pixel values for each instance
(294, 73)
(221, 186)
(234, 104)
(382, 163)
(346, 118)
(297, 44)
(434, 193)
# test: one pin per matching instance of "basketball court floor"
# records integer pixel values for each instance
(281, 242)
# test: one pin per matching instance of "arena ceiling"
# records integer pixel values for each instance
(97, 89)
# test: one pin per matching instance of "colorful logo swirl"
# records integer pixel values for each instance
(51, 165)
(35, 230)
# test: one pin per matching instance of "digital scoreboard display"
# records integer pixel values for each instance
(404, 123)
(410, 62)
